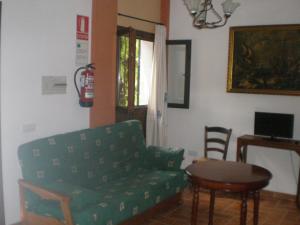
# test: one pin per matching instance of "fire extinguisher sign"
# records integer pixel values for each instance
(82, 40)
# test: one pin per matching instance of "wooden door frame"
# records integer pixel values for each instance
(2, 219)
(131, 111)
(133, 35)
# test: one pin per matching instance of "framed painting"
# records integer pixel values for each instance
(264, 60)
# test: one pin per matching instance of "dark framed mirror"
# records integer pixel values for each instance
(179, 73)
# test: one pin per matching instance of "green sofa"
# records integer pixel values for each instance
(100, 176)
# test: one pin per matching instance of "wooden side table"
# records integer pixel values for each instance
(227, 176)
(281, 144)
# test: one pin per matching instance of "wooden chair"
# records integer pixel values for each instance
(216, 139)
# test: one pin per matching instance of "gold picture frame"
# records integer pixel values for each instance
(264, 59)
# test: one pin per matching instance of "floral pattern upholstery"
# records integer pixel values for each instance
(108, 172)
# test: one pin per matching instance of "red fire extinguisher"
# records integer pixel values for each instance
(86, 93)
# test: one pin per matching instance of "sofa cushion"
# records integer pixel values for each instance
(122, 199)
(163, 158)
(107, 153)
(87, 158)
(41, 160)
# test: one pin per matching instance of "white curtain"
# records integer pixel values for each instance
(157, 105)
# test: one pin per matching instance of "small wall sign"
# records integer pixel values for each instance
(82, 40)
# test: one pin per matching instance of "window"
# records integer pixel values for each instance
(134, 54)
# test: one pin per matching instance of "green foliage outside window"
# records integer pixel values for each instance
(137, 72)
(129, 68)
(123, 71)
(123, 78)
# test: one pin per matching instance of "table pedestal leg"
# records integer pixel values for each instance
(243, 218)
(195, 204)
(256, 197)
(211, 207)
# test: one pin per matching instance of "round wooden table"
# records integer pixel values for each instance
(230, 177)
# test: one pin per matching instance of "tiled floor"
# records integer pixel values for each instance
(273, 211)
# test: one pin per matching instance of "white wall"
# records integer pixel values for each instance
(211, 105)
(38, 39)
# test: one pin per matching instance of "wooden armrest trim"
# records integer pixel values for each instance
(48, 195)
(43, 192)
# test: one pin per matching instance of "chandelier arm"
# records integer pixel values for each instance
(196, 23)
(208, 5)
(217, 15)
(200, 16)
(210, 25)
(205, 10)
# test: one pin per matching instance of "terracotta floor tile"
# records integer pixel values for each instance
(273, 211)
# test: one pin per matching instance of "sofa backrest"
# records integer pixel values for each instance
(88, 157)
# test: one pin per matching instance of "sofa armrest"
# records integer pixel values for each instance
(164, 158)
(48, 195)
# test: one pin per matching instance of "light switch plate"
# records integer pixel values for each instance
(52, 85)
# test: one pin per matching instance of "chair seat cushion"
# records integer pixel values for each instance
(118, 200)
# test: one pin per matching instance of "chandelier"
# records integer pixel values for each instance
(204, 14)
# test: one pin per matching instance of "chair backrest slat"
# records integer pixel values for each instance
(218, 130)
(217, 139)
(215, 150)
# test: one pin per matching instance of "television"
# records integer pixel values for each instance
(274, 125)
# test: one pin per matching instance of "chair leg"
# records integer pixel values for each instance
(298, 192)
(243, 218)
(256, 197)
(196, 190)
(211, 207)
